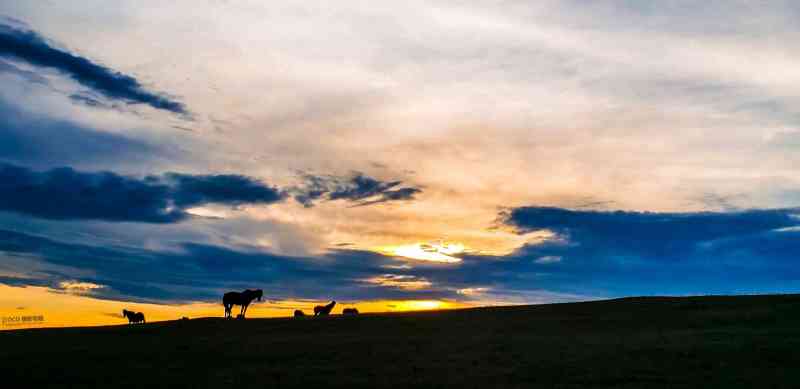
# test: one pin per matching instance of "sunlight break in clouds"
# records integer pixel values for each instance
(79, 287)
(434, 252)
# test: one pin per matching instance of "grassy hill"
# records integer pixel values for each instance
(699, 342)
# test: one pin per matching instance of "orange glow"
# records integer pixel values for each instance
(59, 309)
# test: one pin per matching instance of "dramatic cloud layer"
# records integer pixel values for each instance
(65, 194)
(358, 188)
(755, 256)
(28, 46)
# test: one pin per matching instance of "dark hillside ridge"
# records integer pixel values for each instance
(654, 342)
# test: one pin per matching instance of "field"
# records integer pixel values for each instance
(698, 342)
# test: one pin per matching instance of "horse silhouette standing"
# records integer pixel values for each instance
(350, 311)
(324, 310)
(240, 298)
(133, 317)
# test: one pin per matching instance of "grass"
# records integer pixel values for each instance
(697, 342)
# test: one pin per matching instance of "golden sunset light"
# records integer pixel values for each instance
(70, 309)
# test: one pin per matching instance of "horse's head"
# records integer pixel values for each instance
(125, 313)
(258, 293)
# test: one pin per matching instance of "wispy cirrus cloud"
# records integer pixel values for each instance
(359, 189)
(27, 45)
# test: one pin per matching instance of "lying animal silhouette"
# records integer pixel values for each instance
(350, 311)
(133, 317)
(236, 298)
(324, 310)
(298, 313)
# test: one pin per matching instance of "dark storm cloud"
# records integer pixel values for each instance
(624, 253)
(66, 194)
(26, 45)
(658, 235)
(230, 189)
(359, 189)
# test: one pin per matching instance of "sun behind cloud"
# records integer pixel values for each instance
(434, 251)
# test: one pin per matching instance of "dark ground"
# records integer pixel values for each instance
(703, 342)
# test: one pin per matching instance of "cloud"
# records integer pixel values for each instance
(41, 141)
(624, 253)
(26, 45)
(66, 194)
(406, 282)
(358, 188)
(659, 235)
(79, 287)
(401, 194)
(757, 258)
(548, 259)
(230, 189)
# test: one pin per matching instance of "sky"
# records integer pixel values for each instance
(423, 155)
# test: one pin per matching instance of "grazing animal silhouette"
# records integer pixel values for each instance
(240, 298)
(298, 313)
(133, 317)
(324, 310)
(350, 311)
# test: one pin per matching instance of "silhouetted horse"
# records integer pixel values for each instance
(321, 310)
(133, 317)
(350, 311)
(244, 299)
(298, 313)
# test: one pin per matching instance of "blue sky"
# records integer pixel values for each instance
(480, 153)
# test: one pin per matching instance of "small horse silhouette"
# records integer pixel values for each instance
(244, 299)
(324, 310)
(298, 313)
(133, 317)
(350, 311)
